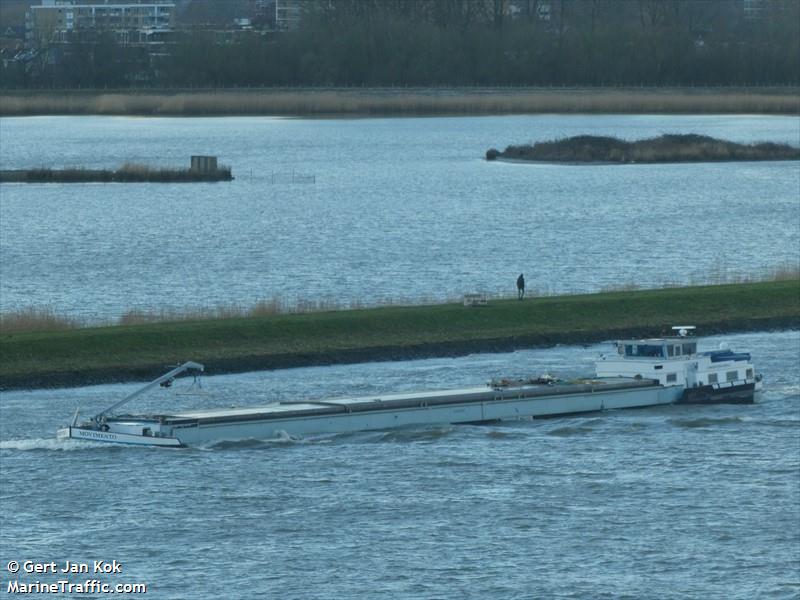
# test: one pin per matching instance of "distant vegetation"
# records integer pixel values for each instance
(128, 173)
(400, 43)
(666, 148)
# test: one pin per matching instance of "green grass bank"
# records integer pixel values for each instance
(123, 353)
(333, 102)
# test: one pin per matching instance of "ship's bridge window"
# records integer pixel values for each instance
(731, 375)
(713, 378)
(650, 350)
(690, 348)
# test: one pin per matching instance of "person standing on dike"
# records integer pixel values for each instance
(520, 287)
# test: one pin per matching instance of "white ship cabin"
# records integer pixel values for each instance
(675, 361)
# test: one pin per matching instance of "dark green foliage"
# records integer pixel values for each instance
(666, 148)
(458, 43)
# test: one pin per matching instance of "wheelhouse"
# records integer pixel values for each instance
(666, 348)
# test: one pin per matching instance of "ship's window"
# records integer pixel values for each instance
(628, 350)
(650, 350)
(658, 367)
(672, 377)
(731, 375)
(712, 378)
(677, 350)
(749, 373)
(689, 348)
(671, 350)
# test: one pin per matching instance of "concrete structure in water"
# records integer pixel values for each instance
(204, 164)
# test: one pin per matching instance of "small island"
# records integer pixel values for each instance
(667, 148)
(203, 168)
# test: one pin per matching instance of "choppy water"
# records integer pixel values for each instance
(675, 502)
(402, 209)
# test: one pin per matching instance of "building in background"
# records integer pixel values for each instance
(753, 9)
(287, 14)
(87, 41)
(132, 22)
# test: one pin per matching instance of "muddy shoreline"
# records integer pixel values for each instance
(242, 364)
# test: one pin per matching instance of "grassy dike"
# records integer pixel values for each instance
(121, 353)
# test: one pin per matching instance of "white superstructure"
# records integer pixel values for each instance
(675, 361)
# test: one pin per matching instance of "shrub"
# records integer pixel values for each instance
(666, 148)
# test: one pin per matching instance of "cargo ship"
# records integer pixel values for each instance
(639, 373)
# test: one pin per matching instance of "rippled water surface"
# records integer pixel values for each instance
(673, 502)
(401, 209)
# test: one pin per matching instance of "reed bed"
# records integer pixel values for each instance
(128, 173)
(273, 306)
(785, 273)
(33, 319)
(404, 101)
(262, 308)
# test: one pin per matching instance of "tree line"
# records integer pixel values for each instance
(457, 43)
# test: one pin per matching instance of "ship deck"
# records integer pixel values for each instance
(312, 408)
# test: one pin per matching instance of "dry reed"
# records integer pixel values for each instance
(396, 101)
(128, 173)
(46, 319)
(33, 319)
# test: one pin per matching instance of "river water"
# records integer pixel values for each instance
(400, 210)
(673, 502)
(670, 503)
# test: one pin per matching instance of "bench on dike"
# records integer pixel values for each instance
(475, 300)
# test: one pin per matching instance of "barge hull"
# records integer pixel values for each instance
(735, 393)
(107, 437)
(266, 426)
